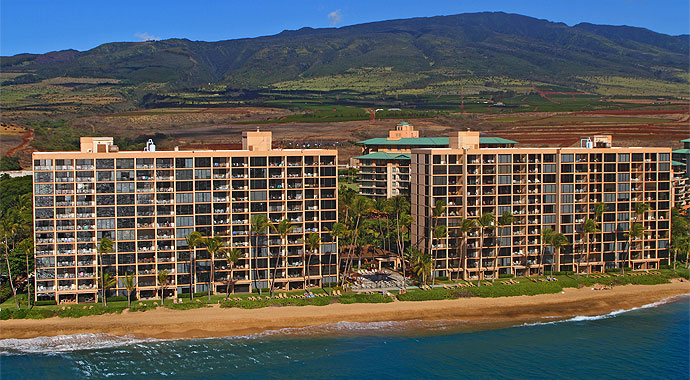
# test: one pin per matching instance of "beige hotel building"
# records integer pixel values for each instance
(542, 187)
(147, 202)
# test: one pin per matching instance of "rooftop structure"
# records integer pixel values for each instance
(556, 188)
(384, 163)
(147, 202)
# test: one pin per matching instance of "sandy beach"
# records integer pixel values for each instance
(217, 322)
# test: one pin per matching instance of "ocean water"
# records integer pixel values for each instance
(651, 342)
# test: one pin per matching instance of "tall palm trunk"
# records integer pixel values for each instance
(9, 273)
(498, 248)
(192, 273)
(481, 251)
(305, 266)
(103, 301)
(211, 278)
(463, 253)
(275, 268)
(28, 283)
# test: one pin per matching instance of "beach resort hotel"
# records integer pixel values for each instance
(384, 166)
(556, 188)
(148, 201)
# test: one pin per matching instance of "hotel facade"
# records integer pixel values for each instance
(384, 166)
(147, 202)
(554, 188)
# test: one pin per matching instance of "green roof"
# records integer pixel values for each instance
(676, 163)
(384, 156)
(431, 141)
(686, 140)
(682, 151)
(496, 140)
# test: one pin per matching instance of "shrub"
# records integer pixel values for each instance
(506, 275)
(116, 299)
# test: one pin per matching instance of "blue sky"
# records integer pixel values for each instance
(31, 26)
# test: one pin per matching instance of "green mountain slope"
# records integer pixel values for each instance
(479, 44)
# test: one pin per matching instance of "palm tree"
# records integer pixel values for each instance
(213, 245)
(311, 244)
(29, 247)
(588, 227)
(484, 222)
(360, 207)
(163, 283)
(258, 226)
(399, 208)
(282, 228)
(505, 220)
(436, 212)
(546, 235)
(465, 226)
(637, 231)
(557, 240)
(440, 233)
(193, 241)
(9, 271)
(640, 211)
(339, 231)
(421, 261)
(232, 256)
(107, 281)
(104, 247)
(130, 284)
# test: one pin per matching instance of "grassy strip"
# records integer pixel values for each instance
(527, 287)
(524, 286)
(348, 298)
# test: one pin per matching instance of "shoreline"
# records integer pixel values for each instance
(213, 322)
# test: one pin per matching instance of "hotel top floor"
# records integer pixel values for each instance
(405, 138)
(254, 144)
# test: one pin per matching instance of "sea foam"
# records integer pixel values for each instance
(582, 318)
(66, 343)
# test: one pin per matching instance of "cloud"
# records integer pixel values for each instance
(146, 36)
(335, 17)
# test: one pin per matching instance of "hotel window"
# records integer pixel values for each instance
(549, 188)
(664, 166)
(623, 177)
(202, 197)
(125, 199)
(105, 224)
(623, 187)
(664, 157)
(609, 197)
(184, 198)
(105, 187)
(43, 177)
(610, 157)
(103, 163)
(202, 162)
(567, 188)
(185, 221)
(567, 198)
(566, 209)
(125, 235)
(125, 163)
(186, 174)
(184, 163)
(184, 186)
(257, 161)
(105, 176)
(567, 157)
(505, 158)
(549, 158)
(549, 198)
(623, 157)
(548, 219)
(202, 173)
(127, 187)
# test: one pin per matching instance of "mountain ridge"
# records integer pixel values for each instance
(471, 44)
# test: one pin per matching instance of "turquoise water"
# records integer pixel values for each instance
(646, 343)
